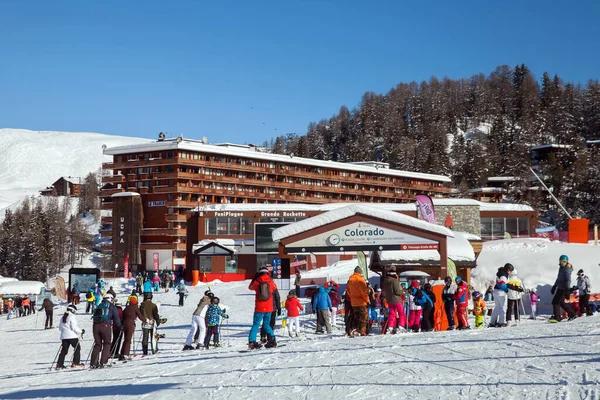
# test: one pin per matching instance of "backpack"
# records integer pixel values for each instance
(264, 291)
(102, 313)
(89, 295)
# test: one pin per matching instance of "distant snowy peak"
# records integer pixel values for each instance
(33, 160)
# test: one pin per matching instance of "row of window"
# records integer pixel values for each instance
(496, 228)
(239, 225)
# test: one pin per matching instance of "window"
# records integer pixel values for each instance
(247, 226)
(222, 226)
(230, 265)
(206, 263)
(524, 227)
(211, 226)
(511, 226)
(170, 154)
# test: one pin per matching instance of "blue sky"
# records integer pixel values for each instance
(247, 71)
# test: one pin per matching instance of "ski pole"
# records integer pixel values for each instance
(227, 331)
(55, 357)
(89, 357)
(116, 346)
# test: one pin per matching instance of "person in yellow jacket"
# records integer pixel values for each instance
(479, 310)
(357, 291)
(91, 299)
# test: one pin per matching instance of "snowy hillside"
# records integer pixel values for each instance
(33, 160)
(534, 360)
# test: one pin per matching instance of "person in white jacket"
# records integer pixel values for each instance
(198, 322)
(514, 299)
(69, 334)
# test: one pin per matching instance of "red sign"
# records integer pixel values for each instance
(155, 260)
(126, 267)
(433, 246)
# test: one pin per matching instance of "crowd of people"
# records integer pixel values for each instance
(18, 306)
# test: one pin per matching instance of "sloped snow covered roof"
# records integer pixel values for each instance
(21, 287)
(4, 280)
(348, 211)
(229, 244)
(125, 194)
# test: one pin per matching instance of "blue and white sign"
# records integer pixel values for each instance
(157, 203)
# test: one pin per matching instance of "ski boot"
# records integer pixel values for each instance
(271, 342)
(217, 344)
(73, 365)
(186, 347)
(59, 367)
(198, 346)
(254, 345)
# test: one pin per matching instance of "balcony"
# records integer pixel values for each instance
(106, 206)
(162, 246)
(113, 179)
(176, 217)
(164, 232)
(106, 233)
(182, 204)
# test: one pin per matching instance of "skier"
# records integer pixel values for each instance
(181, 291)
(264, 287)
(293, 307)
(112, 291)
(357, 290)
(462, 302)
(156, 282)
(117, 333)
(335, 303)
(395, 300)
(479, 310)
(448, 299)
(561, 290)
(428, 308)
(128, 325)
(150, 312)
(48, 306)
(147, 286)
(69, 335)
(90, 299)
(213, 315)
(131, 296)
(415, 295)
(139, 281)
(498, 318)
(75, 294)
(297, 280)
(322, 307)
(585, 288)
(199, 321)
(533, 300)
(105, 313)
(276, 313)
(514, 298)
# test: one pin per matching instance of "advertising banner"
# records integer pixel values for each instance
(426, 208)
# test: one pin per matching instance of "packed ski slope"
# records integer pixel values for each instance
(534, 360)
(33, 160)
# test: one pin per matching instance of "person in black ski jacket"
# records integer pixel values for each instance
(428, 309)
(448, 299)
(562, 290)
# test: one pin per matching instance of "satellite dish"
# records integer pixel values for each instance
(179, 139)
(103, 147)
(204, 140)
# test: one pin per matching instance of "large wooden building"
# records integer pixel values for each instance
(176, 175)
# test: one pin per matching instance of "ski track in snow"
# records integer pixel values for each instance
(534, 360)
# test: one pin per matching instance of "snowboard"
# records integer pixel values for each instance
(261, 348)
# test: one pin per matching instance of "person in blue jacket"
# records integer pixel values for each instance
(147, 286)
(213, 320)
(322, 307)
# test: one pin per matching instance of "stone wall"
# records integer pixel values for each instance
(465, 218)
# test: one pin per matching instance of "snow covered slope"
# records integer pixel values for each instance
(31, 161)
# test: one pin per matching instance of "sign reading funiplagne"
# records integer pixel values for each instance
(358, 236)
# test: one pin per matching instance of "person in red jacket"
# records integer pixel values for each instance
(264, 287)
(293, 307)
(461, 297)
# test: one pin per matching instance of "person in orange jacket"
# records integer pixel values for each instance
(479, 310)
(264, 287)
(357, 291)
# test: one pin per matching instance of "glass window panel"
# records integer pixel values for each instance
(211, 226)
(486, 227)
(511, 226)
(524, 227)
(230, 265)
(498, 227)
(205, 263)
(222, 226)
(247, 226)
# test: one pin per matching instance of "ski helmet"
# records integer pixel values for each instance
(108, 297)
(72, 308)
(508, 267)
(427, 287)
(458, 279)
(476, 295)
(215, 300)
(148, 296)
(448, 279)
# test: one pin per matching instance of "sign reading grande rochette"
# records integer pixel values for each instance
(361, 236)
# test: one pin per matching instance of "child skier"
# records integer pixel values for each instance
(534, 299)
(293, 307)
(181, 291)
(479, 310)
(213, 321)
(414, 315)
(462, 301)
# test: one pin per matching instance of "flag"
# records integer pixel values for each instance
(451, 269)
(362, 263)
(426, 207)
(126, 267)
